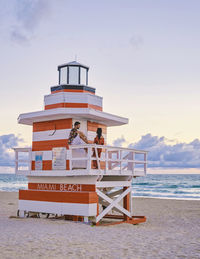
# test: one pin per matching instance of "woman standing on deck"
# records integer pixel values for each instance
(99, 140)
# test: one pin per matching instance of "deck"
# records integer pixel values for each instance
(113, 161)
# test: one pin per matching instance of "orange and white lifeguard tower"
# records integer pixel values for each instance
(56, 185)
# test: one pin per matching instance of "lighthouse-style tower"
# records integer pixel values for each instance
(62, 180)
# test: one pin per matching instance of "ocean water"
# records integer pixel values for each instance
(174, 186)
(12, 182)
(177, 186)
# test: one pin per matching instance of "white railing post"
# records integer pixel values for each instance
(30, 160)
(120, 157)
(106, 160)
(70, 158)
(89, 160)
(109, 159)
(130, 201)
(133, 167)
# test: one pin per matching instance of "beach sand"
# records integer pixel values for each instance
(172, 231)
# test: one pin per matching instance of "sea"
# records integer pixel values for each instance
(167, 186)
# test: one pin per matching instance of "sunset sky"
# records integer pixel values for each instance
(144, 59)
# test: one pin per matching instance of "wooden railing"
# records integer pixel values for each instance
(83, 159)
(112, 159)
(23, 164)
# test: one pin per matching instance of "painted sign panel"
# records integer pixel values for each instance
(38, 160)
(59, 158)
(62, 187)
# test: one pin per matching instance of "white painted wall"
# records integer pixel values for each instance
(73, 98)
(59, 207)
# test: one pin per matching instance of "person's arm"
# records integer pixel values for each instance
(83, 137)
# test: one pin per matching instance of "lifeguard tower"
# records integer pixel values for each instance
(56, 185)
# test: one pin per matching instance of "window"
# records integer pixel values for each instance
(63, 75)
(83, 80)
(73, 75)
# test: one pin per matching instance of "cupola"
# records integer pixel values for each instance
(73, 73)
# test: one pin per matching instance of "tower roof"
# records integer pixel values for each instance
(73, 63)
(65, 113)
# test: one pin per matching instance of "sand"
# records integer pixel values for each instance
(172, 231)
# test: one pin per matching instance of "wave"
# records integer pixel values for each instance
(163, 186)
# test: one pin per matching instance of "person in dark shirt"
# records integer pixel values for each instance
(75, 132)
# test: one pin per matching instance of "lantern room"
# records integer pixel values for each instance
(73, 73)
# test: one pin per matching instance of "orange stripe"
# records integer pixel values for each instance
(92, 126)
(52, 125)
(95, 107)
(48, 144)
(103, 165)
(92, 142)
(47, 165)
(71, 90)
(53, 106)
(53, 196)
(62, 187)
(72, 105)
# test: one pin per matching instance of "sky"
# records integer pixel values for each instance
(144, 59)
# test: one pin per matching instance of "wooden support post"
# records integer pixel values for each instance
(86, 220)
(97, 223)
(79, 218)
(126, 203)
(21, 213)
(75, 218)
(113, 203)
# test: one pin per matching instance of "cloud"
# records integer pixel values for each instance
(161, 154)
(6, 143)
(24, 17)
(29, 13)
(18, 37)
(136, 41)
(119, 141)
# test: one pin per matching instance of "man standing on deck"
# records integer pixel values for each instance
(75, 135)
